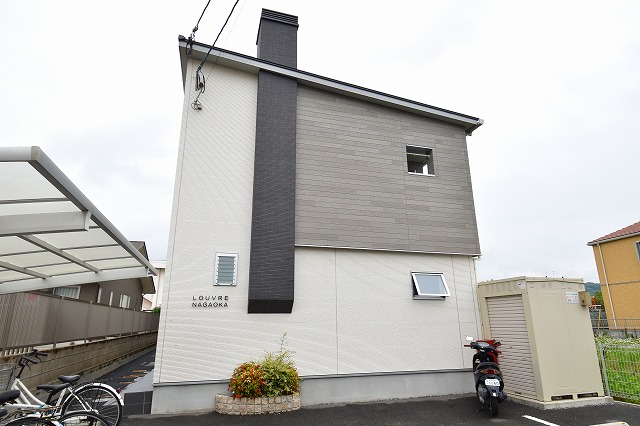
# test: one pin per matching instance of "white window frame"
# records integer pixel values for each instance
(428, 166)
(235, 268)
(125, 301)
(76, 290)
(417, 294)
(638, 249)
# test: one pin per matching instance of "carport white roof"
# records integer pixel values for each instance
(51, 235)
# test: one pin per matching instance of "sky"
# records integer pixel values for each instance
(97, 85)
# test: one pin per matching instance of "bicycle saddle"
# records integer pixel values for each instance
(10, 395)
(69, 379)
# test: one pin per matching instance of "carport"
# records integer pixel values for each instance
(51, 235)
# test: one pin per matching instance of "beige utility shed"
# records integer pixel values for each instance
(548, 350)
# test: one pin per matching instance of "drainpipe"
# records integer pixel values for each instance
(606, 281)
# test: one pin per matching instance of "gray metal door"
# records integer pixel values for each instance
(508, 325)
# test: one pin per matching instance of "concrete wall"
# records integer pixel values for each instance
(91, 360)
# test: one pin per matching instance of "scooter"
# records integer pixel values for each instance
(487, 374)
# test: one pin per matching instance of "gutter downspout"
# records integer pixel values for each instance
(606, 281)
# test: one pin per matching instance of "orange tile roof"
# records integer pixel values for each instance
(620, 233)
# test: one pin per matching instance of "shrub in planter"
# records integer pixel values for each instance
(281, 376)
(273, 375)
(247, 381)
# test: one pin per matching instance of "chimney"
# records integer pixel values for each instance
(278, 38)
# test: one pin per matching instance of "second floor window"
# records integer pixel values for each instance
(420, 160)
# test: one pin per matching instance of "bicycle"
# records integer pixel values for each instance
(98, 398)
(46, 416)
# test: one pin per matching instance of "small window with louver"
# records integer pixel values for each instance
(226, 269)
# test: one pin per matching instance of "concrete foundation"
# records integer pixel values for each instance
(565, 403)
(199, 397)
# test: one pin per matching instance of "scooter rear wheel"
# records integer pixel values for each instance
(493, 405)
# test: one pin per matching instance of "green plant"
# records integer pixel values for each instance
(273, 375)
(247, 381)
(156, 310)
(279, 371)
(621, 367)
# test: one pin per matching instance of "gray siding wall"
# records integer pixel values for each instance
(352, 185)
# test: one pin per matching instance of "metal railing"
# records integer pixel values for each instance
(36, 319)
(619, 327)
(620, 366)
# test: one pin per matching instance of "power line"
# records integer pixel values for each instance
(200, 80)
(192, 37)
(221, 29)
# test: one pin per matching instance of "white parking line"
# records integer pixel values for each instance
(540, 421)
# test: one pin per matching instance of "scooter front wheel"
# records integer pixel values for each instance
(493, 405)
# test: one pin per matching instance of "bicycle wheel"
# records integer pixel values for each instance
(30, 421)
(98, 399)
(82, 418)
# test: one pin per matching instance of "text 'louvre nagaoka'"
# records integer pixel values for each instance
(210, 302)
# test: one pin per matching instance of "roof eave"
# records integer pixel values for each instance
(607, 240)
(253, 65)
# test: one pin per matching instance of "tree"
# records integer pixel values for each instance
(598, 298)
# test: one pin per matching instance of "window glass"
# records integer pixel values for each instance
(429, 285)
(125, 301)
(226, 269)
(68, 292)
(420, 160)
(638, 249)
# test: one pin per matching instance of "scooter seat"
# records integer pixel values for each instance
(486, 365)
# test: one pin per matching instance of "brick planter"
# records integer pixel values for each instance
(242, 406)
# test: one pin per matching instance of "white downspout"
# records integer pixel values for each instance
(606, 281)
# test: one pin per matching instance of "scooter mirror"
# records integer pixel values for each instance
(470, 339)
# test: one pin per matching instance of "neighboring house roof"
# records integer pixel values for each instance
(253, 65)
(51, 235)
(148, 286)
(628, 231)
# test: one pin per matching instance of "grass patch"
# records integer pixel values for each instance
(621, 366)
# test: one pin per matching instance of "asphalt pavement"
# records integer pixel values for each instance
(452, 410)
(448, 410)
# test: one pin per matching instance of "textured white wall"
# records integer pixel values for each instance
(381, 327)
(211, 213)
(353, 309)
(353, 313)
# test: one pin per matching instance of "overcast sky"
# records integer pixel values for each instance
(97, 85)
